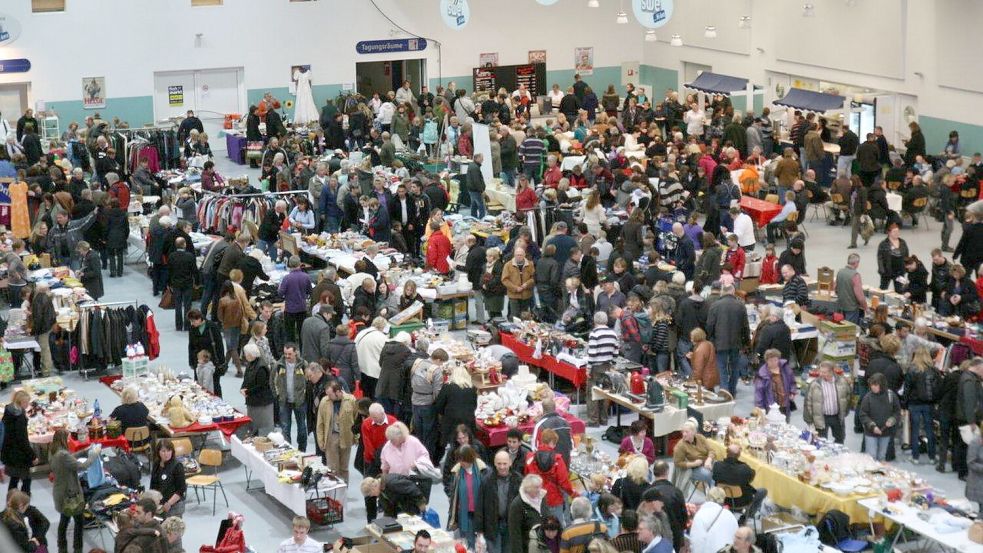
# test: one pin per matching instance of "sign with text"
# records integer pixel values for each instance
(175, 95)
(455, 13)
(19, 65)
(9, 29)
(391, 45)
(652, 13)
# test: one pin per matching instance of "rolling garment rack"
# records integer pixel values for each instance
(226, 215)
(92, 305)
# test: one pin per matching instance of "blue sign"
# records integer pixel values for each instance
(9, 29)
(391, 45)
(652, 13)
(455, 13)
(20, 65)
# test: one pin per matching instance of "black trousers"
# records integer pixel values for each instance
(959, 451)
(834, 424)
(292, 323)
(76, 535)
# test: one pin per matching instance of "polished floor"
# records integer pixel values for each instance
(268, 522)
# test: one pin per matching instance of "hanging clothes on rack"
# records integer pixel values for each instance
(216, 213)
(105, 330)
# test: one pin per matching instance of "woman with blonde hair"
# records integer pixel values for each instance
(17, 453)
(923, 387)
(26, 525)
(132, 413)
(633, 484)
(456, 403)
(257, 336)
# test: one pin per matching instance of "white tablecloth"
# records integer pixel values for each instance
(894, 201)
(501, 194)
(292, 496)
(907, 516)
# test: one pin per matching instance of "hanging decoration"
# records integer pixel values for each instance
(652, 13)
(455, 13)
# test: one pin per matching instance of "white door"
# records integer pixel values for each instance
(210, 93)
(13, 102)
(886, 116)
(217, 93)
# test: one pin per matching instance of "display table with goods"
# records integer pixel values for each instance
(501, 194)
(518, 404)
(555, 351)
(339, 250)
(802, 471)
(760, 211)
(395, 540)
(281, 470)
(936, 522)
(178, 405)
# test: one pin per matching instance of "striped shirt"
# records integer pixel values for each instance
(602, 345)
(532, 150)
(309, 546)
(831, 405)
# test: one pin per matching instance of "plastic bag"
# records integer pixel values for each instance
(480, 546)
(431, 517)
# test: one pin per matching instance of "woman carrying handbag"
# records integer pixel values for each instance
(67, 490)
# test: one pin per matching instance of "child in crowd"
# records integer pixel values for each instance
(596, 486)
(205, 371)
(769, 266)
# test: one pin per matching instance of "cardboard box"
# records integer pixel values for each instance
(378, 547)
(843, 329)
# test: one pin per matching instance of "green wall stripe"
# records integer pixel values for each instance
(136, 110)
(937, 130)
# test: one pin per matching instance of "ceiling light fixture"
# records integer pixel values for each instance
(808, 10)
(676, 41)
(744, 22)
(622, 18)
(650, 36)
(710, 32)
(593, 4)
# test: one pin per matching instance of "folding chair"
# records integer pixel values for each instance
(210, 458)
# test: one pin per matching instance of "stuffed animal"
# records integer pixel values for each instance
(178, 415)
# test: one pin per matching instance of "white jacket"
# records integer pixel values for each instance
(368, 348)
(713, 528)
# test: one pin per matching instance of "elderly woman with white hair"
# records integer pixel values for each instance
(713, 526)
(525, 512)
(132, 413)
(257, 390)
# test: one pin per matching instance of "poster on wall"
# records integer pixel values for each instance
(652, 13)
(175, 95)
(94, 92)
(537, 56)
(583, 60)
(488, 59)
(455, 13)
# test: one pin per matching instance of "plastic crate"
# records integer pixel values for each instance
(135, 367)
(408, 327)
(324, 511)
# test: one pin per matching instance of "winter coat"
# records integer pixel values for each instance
(346, 421)
(812, 403)
(42, 314)
(974, 478)
(970, 246)
(183, 270)
(315, 338)
(969, 399)
(704, 363)
(513, 278)
(256, 382)
(455, 405)
(884, 262)
(117, 229)
(65, 468)
(524, 514)
(394, 378)
(880, 362)
(342, 356)
(774, 335)
(727, 324)
(400, 494)
(91, 276)
(709, 265)
(300, 381)
(17, 452)
(209, 340)
(764, 391)
(549, 465)
(878, 410)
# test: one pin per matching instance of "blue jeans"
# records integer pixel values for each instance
(478, 204)
(508, 177)
(424, 425)
(269, 248)
(182, 304)
(876, 446)
(299, 411)
(207, 292)
(921, 418)
(559, 512)
(854, 316)
(682, 363)
(727, 364)
(498, 543)
(659, 361)
(331, 223)
(844, 165)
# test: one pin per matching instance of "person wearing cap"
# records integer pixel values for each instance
(90, 273)
(793, 256)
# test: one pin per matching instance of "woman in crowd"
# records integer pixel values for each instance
(463, 436)
(25, 524)
(703, 359)
(492, 289)
(17, 454)
(549, 465)
(960, 296)
(633, 484)
(713, 526)
(891, 255)
(636, 442)
(775, 384)
(880, 413)
(464, 495)
(915, 287)
(525, 513)
(922, 378)
(257, 390)
(456, 403)
(132, 413)
(230, 314)
(67, 489)
(117, 226)
(257, 337)
(167, 477)
(301, 217)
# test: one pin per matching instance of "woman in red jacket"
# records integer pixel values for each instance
(769, 266)
(549, 465)
(438, 249)
(525, 196)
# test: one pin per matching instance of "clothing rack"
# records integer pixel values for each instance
(83, 370)
(88, 305)
(286, 193)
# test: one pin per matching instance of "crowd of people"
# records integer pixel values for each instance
(658, 288)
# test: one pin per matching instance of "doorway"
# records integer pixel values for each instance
(862, 118)
(210, 93)
(13, 101)
(383, 76)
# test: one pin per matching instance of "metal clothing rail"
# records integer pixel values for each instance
(90, 305)
(287, 193)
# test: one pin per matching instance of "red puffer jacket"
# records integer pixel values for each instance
(550, 467)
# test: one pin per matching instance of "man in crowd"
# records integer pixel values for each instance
(731, 471)
(552, 420)
(498, 488)
(315, 334)
(727, 328)
(577, 536)
(602, 348)
(519, 277)
(290, 389)
(673, 502)
(295, 289)
(334, 432)
(300, 542)
(827, 403)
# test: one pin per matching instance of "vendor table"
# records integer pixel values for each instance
(495, 436)
(671, 418)
(235, 145)
(575, 375)
(759, 210)
(121, 442)
(788, 491)
(907, 517)
(292, 496)
(227, 428)
(501, 194)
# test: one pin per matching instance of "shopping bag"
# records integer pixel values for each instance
(166, 299)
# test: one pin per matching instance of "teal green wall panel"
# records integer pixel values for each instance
(937, 130)
(135, 110)
(660, 78)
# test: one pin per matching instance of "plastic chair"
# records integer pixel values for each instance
(208, 458)
(139, 439)
(847, 545)
(772, 198)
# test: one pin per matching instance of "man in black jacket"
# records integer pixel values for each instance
(182, 271)
(26, 119)
(949, 439)
(437, 195)
(674, 504)
(848, 142)
(773, 333)
(269, 229)
(474, 266)
(498, 488)
(734, 472)
(189, 124)
(206, 335)
(42, 322)
(476, 187)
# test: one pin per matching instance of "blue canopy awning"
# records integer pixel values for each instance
(715, 83)
(809, 100)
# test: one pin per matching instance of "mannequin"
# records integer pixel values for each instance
(304, 111)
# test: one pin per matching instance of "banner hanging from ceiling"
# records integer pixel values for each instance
(652, 13)
(455, 13)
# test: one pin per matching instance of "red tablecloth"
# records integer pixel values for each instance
(974, 344)
(577, 376)
(759, 210)
(227, 428)
(122, 442)
(495, 437)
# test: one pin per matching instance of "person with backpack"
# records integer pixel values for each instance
(923, 386)
(880, 412)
